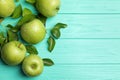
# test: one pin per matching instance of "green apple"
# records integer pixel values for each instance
(6, 7)
(48, 8)
(32, 65)
(13, 53)
(33, 31)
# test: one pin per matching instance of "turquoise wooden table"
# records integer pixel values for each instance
(89, 48)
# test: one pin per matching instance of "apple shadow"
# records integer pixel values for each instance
(21, 71)
(19, 67)
(2, 62)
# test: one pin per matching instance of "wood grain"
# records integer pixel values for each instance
(68, 72)
(83, 51)
(88, 48)
(90, 6)
(88, 26)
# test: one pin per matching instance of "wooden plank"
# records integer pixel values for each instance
(83, 25)
(77, 51)
(65, 72)
(83, 72)
(90, 6)
(83, 6)
(87, 25)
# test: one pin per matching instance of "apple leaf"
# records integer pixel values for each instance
(2, 38)
(56, 30)
(17, 0)
(1, 19)
(42, 18)
(60, 25)
(31, 1)
(51, 43)
(11, 36)
(13, 29)
(9, 26)
(23, 20)
(48, 62)
(26, 11)
(55, 33)
(31, 49)
(17, 12)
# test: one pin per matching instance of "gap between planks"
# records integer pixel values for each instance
(90, 13)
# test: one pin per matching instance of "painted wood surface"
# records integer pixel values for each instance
(90, 6)
(88, 48)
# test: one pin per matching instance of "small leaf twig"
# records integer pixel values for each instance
(55, 34)
(31, 49)
(48, 62)
(17, 12)
(51, 43)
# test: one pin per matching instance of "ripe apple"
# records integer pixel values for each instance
(13, 53)
(48, 8)
(6, 7)
(33, 31)
(32, 65)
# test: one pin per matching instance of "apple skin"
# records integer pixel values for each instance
(32, 65)
(6, 7)
(13, 53)
(33, 31)
(48, 8)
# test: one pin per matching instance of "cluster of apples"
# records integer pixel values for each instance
(14, 52)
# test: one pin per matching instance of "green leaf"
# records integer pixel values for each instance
(17, 12)
(1, 19)
(15, 29)
(12, 28)
(2, 38)
(23, 20)
(11, 36)
(60, 25)
(56, 30)
(31, 1)
(26, 11)
(9, 26)
(48, 62)
(55, 33)
(17, 0)
(42, 18)
(51, 43)
(31, 49)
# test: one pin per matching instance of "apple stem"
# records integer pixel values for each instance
(19, 45)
